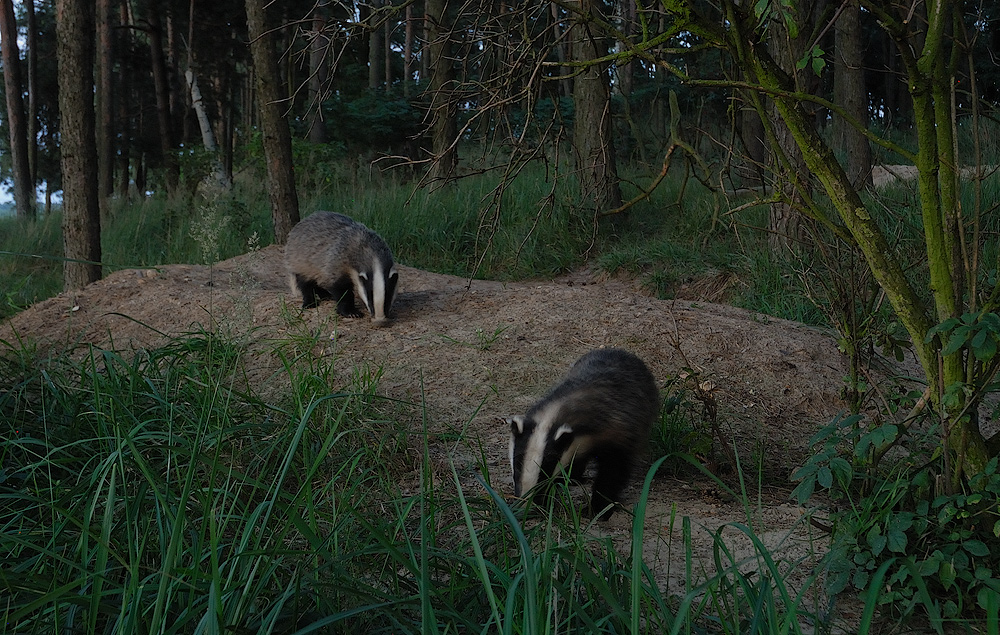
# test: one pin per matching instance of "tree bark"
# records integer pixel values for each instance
(594, 147)
(105, 105)
(387, 49)
(374, 39)
(81, 209)
(785, 230)
(850, 94)
(444, 127)
(318, 76)
(277, 137)
(125, 91)
(32, 40)
(24, 188)
(162, 87)
(408, 51)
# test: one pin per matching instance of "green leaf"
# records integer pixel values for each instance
(818, 62)
(804, 490)
(976, 547)
(825, 477)
(930, 566)
(896, 540)
(860, 579)
(877, 541)
(947, 575)
(943, 327)
(956, 341)
(841, 469)
(979, 338)
(987, 351)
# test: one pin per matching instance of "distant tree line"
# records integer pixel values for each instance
(419, 80)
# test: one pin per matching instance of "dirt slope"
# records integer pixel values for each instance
(486, 350)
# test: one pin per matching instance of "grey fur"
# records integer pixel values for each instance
(603, 411)
(331, 256)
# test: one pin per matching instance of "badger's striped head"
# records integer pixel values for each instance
(377, 289)
(538, 446)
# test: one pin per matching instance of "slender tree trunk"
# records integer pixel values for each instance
(29, 10)
(594, 147)
(785, 227)
(565, 85)
(162, 86)
(374, 38)
(105, 105)
(387, 49)
(850, 94)
(444, 127)
(24, 188)
(125, 91)
(276, 136)
(318, 71)
(81, 209)
(408, 52)
(425, 52)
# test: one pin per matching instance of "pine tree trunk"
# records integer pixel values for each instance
(374, 38)
(162, 88)
(444, 127)
(81, 210)
(850, 94)
(105, 105)
(24, 188)
(29, 10)
(277, 137)
(387, 49)
(124, 90)
(594, 147)
(408, 51)
(318, 71)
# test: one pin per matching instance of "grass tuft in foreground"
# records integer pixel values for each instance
(154, 491)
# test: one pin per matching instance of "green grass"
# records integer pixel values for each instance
(157, 491)
(476, 227)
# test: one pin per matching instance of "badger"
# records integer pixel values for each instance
(602, 411)
(331, 256)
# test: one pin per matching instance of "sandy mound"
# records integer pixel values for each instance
(480, 351)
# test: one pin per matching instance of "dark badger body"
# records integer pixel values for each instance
(331, 256)
(602, 411)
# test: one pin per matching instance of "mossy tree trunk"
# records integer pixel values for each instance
(928, 57)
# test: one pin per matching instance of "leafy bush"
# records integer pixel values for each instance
(894, 534)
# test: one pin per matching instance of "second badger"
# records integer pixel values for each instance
(603, 411)
(331, 256)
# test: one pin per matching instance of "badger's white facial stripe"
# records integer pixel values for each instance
(378, 293)
(535, 452)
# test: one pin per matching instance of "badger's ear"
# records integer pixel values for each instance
(563, 430)
(516, 424)
(363, 275)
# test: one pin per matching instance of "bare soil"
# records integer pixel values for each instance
(474, 352)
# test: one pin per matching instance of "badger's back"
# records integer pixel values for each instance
(609, 394)
(329, 255)
(325, 246)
